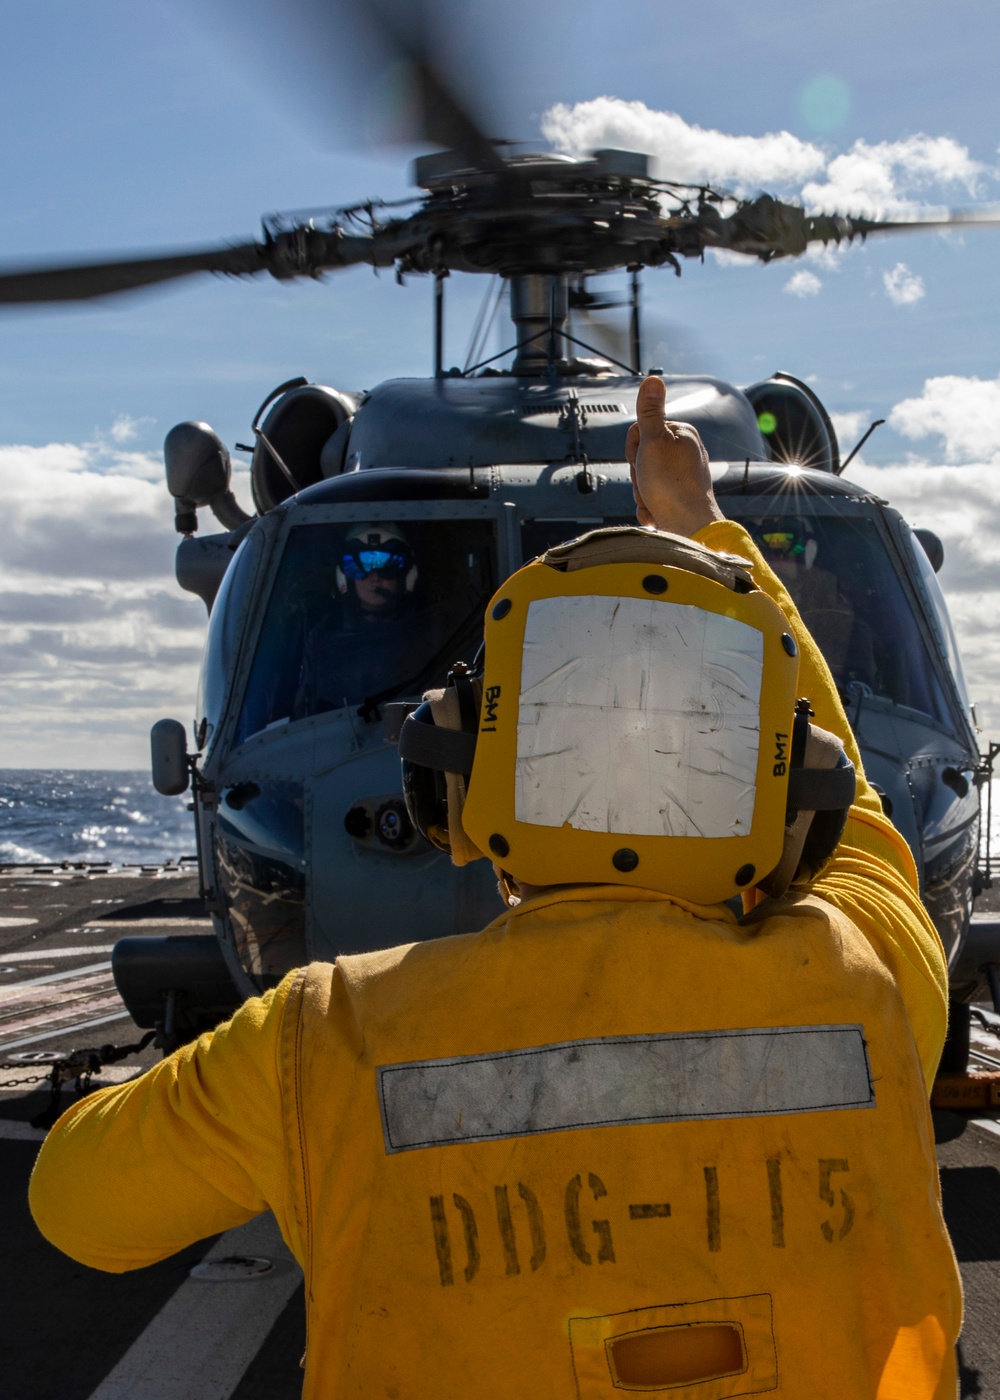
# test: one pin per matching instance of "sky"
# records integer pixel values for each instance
(175, 123)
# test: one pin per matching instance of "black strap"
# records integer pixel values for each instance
(429, 746)
(822, 789)
(468, 712)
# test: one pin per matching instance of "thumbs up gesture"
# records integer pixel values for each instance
(671, 481)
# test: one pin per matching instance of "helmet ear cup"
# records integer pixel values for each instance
(425, 792)
(822, 839)
(437, 744)
(821, 789)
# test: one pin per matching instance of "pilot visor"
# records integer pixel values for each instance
(357, 563)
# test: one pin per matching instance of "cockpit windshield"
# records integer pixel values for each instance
(361, 612)
(839, 573)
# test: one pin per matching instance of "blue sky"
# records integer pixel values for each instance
(131, 126)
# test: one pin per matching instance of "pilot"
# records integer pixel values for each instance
(373, 641)
(622, 1139)
(791, 549)
(376, 573)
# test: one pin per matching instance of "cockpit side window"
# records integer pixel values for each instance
(940, 610)
(223, 637)
(365, 612)
(841, 577)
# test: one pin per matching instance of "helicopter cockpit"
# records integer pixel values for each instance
(839, 573)
(361, 612)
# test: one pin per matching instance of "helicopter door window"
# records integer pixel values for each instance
(365, 612)
(842, 579)
(936, 599)
(224, 630)
(539, 535)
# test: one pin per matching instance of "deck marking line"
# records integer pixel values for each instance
(43, 954)
(200, 1343)
(66, 1011)
(12, 988)
(63, 1031)
(989, 1125)
(73, 999)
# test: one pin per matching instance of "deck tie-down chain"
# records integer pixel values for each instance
(79, 1066)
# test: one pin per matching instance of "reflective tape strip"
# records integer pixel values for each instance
(630, 1079)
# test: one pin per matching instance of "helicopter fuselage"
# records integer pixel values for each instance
(306, 851)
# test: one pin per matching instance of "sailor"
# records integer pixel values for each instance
(623, 1139)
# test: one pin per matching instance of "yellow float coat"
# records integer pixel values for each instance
(455, 1139)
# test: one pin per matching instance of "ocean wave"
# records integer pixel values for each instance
(89, 815)
(11, 851)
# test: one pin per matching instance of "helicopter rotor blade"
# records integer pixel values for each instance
(769, 228)
(668, 344)
(929, 219)
(443, 118)
(302, 251)
(82, 281)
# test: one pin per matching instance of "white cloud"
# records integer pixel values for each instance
(957, 498)
(125, 428)
(725, 257)
(903, 287)
(849, 427)
(883, 179)
(964, 412)
(96, 639)
(829, 256)
(803, 284)
(684, 152)
(877, 180)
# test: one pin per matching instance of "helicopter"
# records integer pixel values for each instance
(386, 519)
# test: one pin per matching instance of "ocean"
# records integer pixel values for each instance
(90, 815)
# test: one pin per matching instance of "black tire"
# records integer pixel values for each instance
(955, 1055)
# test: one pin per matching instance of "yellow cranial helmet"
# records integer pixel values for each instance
(636, 726)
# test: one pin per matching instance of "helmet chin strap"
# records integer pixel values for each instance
(506, 886)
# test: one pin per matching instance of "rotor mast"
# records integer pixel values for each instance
(539, 308)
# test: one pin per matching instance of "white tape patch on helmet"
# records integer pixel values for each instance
(639, 717)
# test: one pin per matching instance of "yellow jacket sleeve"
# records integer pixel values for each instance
(137, 1171)
(872, 877)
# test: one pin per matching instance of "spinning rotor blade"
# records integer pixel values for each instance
(927, 219)
(442, 117)
(768, 228)
(386, 68)
(668, 344)
(81, 281)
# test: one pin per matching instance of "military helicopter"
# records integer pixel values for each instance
(386, 519)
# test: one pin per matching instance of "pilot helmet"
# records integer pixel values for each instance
(789, 539)
(635, 723)
(377, 547)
